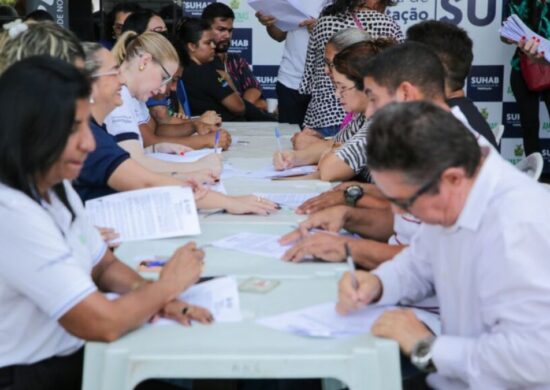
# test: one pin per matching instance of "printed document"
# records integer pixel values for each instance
(147, 214)
(288, 199)
(289, 13)
(191, 156)
(324, 321)
(254, 243)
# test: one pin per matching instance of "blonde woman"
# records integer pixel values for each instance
(147, 64)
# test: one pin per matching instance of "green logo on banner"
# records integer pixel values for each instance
(484, 113)
(518, 151)
(235, 4)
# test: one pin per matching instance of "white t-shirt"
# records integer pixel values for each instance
(46, 271)
(123, 122)
(293, 62)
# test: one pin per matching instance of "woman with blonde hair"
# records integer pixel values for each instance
(147, 64)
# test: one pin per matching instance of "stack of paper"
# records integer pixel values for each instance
(323, 321)
(289, 13)
(147, 214)
(514, 29)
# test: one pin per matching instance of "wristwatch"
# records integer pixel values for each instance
(352, 194)
(421, 356)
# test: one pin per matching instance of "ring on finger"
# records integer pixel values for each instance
(185, 310)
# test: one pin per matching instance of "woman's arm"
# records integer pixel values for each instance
(97, 318)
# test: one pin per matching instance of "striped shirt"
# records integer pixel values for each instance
(354, 151)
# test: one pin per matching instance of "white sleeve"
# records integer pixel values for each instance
(122, 121)
(514, 351)
(142, 113)
(408, 275)
(39, 263)
(94, 242)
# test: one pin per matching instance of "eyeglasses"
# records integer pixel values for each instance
(341, 91)
(109, 73)
(329, 64)
(406, 204)
(167, 78)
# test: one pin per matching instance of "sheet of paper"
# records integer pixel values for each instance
(146, 214)
(191, 156)
(288, 15)
(218, 187)
(323, 321)
(219, 295)
(254, 243)
(514, 29)
(267, 172)
(288, 199)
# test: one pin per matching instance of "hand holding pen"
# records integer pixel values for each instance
(357, 289)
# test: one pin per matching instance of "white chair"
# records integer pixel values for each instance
(532, 165)
(498, 132)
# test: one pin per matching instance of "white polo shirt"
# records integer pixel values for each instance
(123, 122)
(46, 270)
(491, 271)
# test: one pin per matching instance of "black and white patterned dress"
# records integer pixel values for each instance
(324, 109)
(348, 131)
(354, 150)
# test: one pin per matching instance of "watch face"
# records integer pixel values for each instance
(354, 191)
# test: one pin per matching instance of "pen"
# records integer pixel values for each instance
(152, 263)
(216, 141)
(278, 138)
(351, 267)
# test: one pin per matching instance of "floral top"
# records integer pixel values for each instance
(522, 9)
(240, 72)
(324, 109)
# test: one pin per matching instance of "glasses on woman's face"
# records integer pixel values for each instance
(329, 64)
(167, 76)
(406, 204)
(340, 91)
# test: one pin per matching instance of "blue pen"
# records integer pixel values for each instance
(278, 138)
(216, 141)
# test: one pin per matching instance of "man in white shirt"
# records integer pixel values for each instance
(483, 246)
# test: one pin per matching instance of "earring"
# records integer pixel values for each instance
(92, 101)
(141, 67)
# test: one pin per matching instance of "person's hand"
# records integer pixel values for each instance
(309, 24)
(184, 313)
(211, 118)
(321, 245)
(179, 115)
(302, 140)
(331, 219)
(213, 162)
(204, 128)
(283, 160)
(108, 235)
(402, 326)
(183, 269)
(225, 139)
(322, 201)
(266, 20)
(351, 299)
(530, 47)
(250, 204)
(200, 177)
(171, 148)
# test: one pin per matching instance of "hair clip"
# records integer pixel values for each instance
(15, 28)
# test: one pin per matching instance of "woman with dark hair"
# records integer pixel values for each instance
(324, 114)
(58, 261)
(115, 22)
(536, 14)
(206, 87)
(144, 20)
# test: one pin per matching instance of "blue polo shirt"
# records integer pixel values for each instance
(100, 164)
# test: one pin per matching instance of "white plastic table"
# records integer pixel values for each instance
(245, 349)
